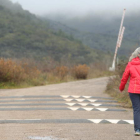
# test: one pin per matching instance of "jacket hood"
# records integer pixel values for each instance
(135, 61)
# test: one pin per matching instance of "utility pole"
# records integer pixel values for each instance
(119, 41)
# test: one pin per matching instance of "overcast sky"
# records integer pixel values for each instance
(78, 7)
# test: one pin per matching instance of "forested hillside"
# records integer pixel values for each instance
(23, 35)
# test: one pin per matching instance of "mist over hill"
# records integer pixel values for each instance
(104, 23)
(101, 33)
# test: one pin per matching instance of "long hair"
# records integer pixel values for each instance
(135, 54)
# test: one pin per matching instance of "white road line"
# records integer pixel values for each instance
(41, 138)
(96, 121)
(22, 120)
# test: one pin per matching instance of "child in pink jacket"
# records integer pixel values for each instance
(133, 71)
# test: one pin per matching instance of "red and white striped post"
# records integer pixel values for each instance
(119, 41)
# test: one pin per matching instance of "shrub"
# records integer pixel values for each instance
(61, 72)
(13, 72)
(80, 71)
(10, 71)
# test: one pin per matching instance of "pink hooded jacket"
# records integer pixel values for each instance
(133, 70)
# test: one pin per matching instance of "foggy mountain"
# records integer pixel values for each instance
(23, 35)
(102, 36)
(16, 7)
(103, 24)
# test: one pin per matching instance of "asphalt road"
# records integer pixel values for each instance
(68, 111)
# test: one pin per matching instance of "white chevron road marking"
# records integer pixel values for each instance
(113, 121)
(71, 104)
(80, 100)
(73, 108)
(87, 97)
(95, 120)
(75, 96)
(68, 100)
(64, 96)
(129, 121)
(96, 104)
(92, 100)
(83, 104)
(88, 109)
(102, 109)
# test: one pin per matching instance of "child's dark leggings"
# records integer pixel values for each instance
(135, 99)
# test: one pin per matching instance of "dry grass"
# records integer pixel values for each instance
(113, 88)
(26, 73)
(99, 70)
(61, 72)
